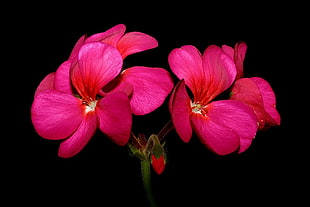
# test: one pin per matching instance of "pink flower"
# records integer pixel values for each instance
(223, 126)
(72, 114)
(254, 91)
(257, 93)
(147, 87)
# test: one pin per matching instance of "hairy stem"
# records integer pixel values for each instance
(146, 177)
(165, 130)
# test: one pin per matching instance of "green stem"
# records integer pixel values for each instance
(146, 177)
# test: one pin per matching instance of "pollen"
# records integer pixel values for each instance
(198, 108)
(90, 106)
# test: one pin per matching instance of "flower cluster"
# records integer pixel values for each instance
(91, 90)
(223, 126)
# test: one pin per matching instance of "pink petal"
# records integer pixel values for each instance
(56, 115)
(229, 50)
(115, 117)
(117, 85)
(98, 64)
(269, 101)
(186, 63)
(110, 36)
(239, 117)
(134, 42)
(45, 84)
(237, 54)
(74, 144)
(179, 106)
(219, 73)
(246, 90)
(231, 117)
(62, 78)
(151, 86)
(216, 137)
(240, 51)
(76, 48)
(258, 94)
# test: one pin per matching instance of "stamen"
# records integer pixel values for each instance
(89, 106)
(198, 108)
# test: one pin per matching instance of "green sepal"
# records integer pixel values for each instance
(157, 149)
(136, 152)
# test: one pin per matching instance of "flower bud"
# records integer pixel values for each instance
(158, 164)
(158, 159)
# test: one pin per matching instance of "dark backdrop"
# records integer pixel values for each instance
(104, 173)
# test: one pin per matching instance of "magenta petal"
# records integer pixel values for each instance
(98, 64)
(74, 144)
(56, 115)
(246, 90)
(257, 93)
(269, 101)
(115, 119)
(46, 83)
(179, 106)
(229, 50)
(217, 137)
(219, 71)
(134, 42)
(76, 48)
(151, 86)
(186, 63)
(237, 54)
(237, 117)
(111, 36)
(117, 85)
(62, 78)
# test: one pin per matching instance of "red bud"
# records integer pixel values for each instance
(158, 164)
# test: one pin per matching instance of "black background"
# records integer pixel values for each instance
(104, 174)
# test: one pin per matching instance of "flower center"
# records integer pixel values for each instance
(198, 108)
(89, 105)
